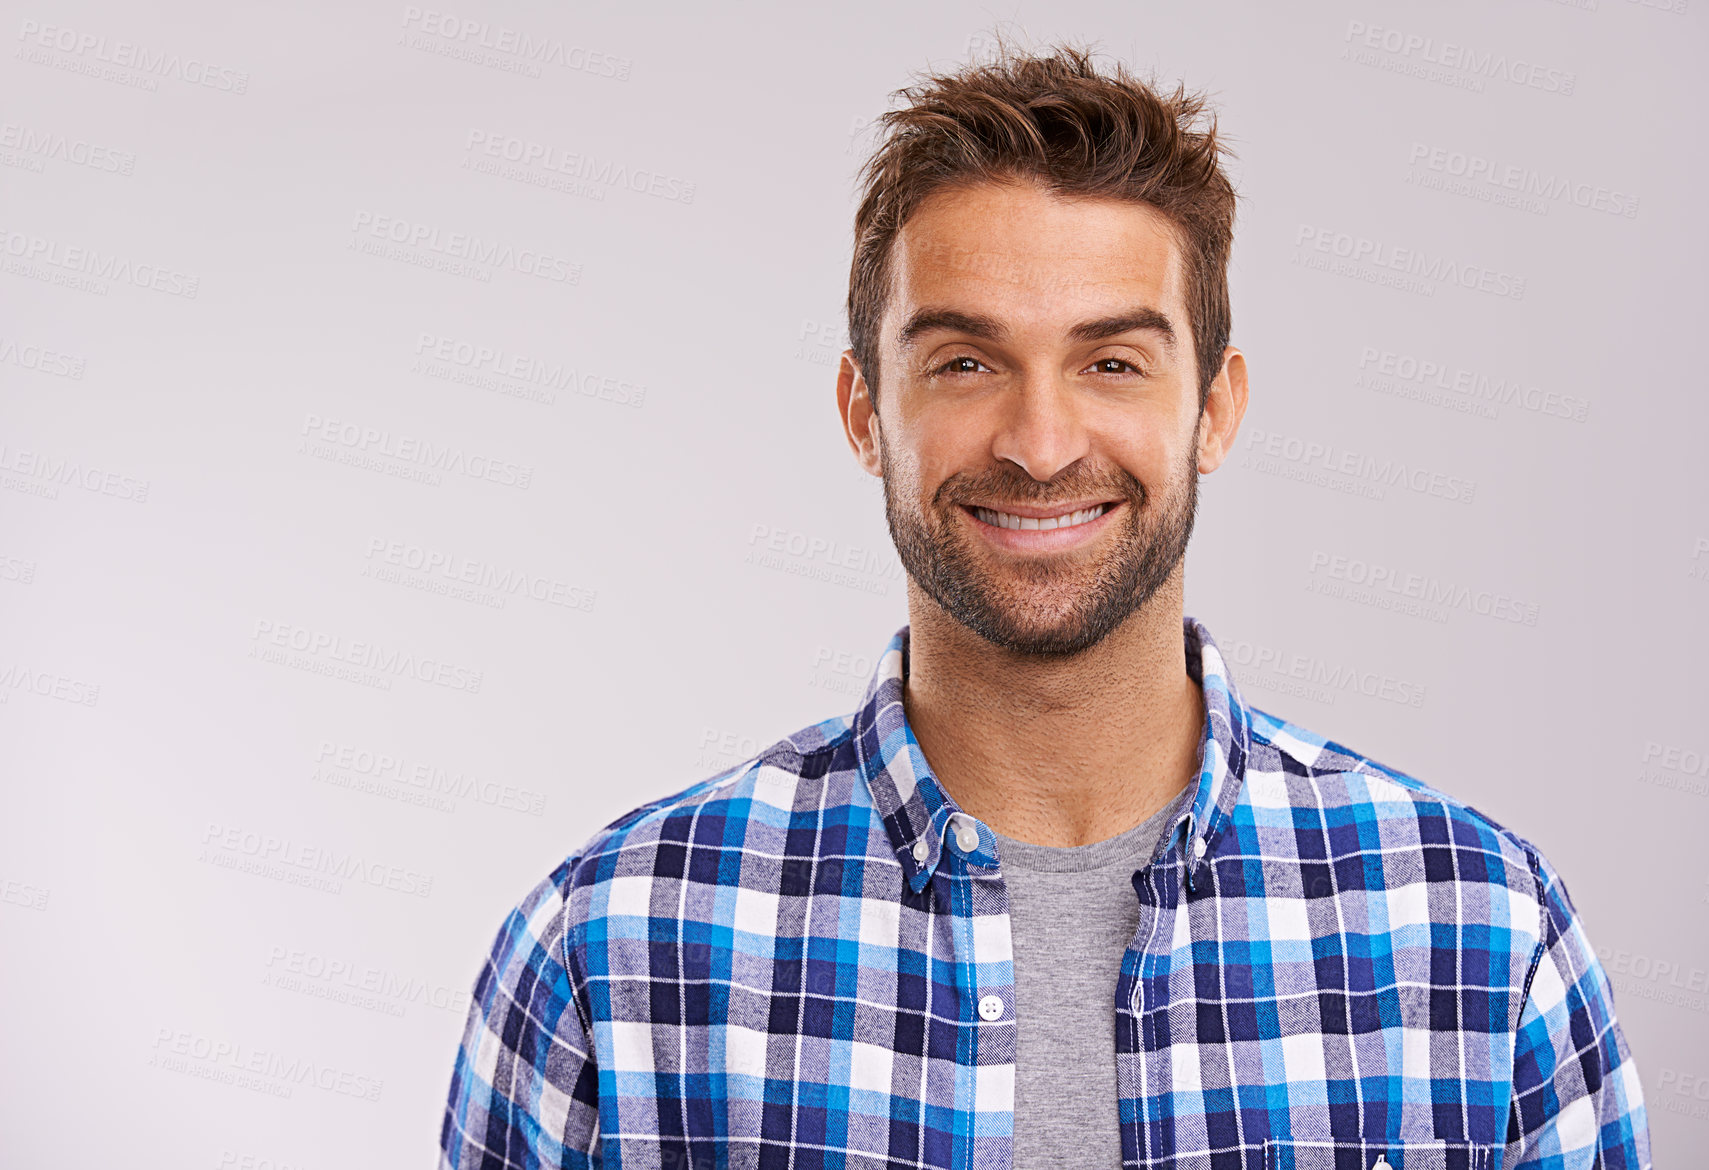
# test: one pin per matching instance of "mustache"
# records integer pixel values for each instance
(1018, 487)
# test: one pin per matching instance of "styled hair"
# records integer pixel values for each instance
(1055, 120)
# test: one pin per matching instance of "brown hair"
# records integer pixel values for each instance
(1055, 120)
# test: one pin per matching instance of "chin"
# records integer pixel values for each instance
(1067, 644)
(1039, 634)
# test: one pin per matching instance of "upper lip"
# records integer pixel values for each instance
(1044, 511)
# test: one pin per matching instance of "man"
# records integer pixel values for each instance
(1054, 894)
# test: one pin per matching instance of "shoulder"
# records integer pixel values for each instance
(616, 869)
(1296, 779)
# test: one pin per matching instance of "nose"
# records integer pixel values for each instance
(1041, 430)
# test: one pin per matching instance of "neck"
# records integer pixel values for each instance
(1056, 750)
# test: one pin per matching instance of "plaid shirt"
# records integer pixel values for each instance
(805, 962)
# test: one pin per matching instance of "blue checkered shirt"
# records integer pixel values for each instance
(798, 963)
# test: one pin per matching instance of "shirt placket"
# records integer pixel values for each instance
(982, 945)
(1144, 1071)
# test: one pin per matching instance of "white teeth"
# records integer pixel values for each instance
(1007, 520)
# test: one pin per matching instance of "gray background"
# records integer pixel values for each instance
(244, 888)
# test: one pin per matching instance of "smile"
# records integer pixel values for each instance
(1040, 523)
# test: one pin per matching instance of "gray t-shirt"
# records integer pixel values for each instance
(1072, 913)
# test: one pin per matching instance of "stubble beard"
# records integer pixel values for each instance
(1045, 606)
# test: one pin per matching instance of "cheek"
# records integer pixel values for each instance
(1153, 461)
(943, 447)
(1150, 439)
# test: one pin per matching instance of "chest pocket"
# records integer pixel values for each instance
(1307, 1155)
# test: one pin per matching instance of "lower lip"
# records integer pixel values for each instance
(1042, 539)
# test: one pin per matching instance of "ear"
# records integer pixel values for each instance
(859, 414)
(1225, 406)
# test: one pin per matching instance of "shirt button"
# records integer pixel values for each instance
(990, 1007)
(967, 837)
(921, 850)
(1199, 846)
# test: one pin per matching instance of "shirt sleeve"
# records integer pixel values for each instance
(525, 1089)
(1576, 1098)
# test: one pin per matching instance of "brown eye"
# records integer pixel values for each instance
(961, 365)
(1114, 366)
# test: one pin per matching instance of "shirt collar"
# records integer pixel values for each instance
(917, 811)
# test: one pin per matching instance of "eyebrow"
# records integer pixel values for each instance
(1147, 319)
(986, 328)
(951, 320)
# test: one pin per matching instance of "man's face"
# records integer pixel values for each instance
(1038, 431)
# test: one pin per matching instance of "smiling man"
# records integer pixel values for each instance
(1054, 894)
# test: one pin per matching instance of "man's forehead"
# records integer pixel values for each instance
(992, 247)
